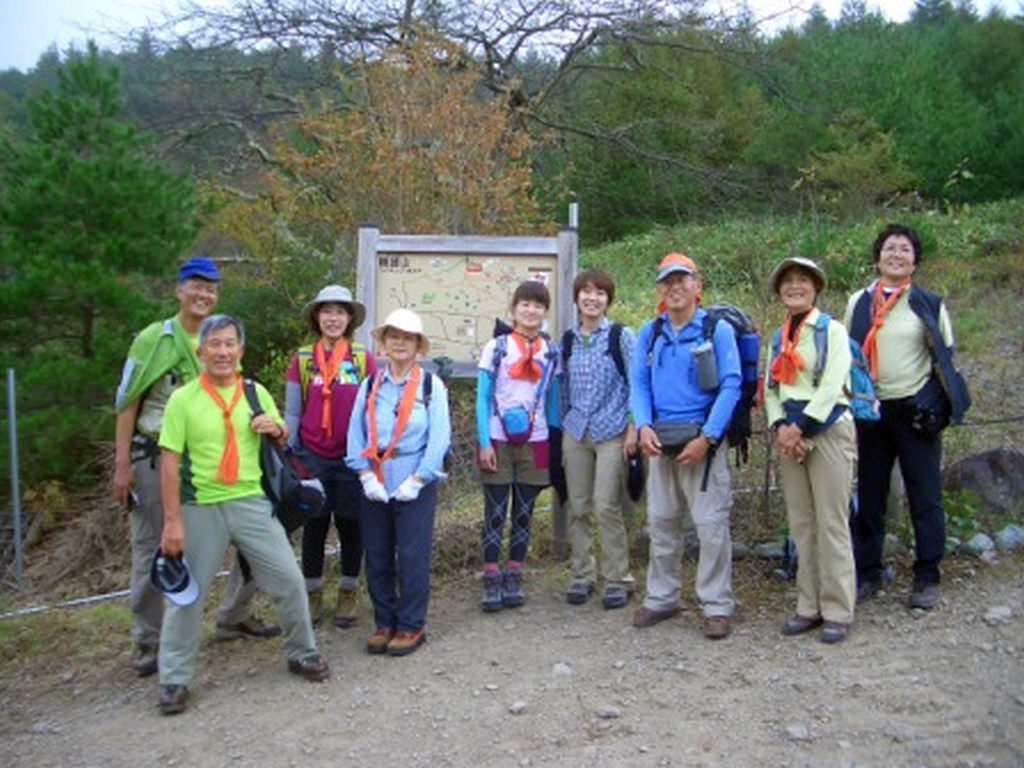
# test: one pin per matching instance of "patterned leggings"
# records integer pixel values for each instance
(495, 508)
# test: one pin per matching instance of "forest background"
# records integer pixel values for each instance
(263, 132)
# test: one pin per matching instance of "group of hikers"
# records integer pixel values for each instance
(187, 458)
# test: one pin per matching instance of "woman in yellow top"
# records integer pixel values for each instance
(815, 439)
(907, 338)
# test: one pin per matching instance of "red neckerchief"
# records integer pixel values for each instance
(526, 367)
(880, 308)
(405, 405)
(329, 371)
(789, 362)
(227, 472)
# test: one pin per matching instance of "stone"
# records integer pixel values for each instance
(996, 477)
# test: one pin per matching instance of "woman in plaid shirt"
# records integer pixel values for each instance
(598, 438)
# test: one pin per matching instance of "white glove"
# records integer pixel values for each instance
(409, 489)
(372, 487)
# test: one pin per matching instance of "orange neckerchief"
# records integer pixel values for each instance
(329, 370)
(526, 367)
(405, 404)
(880, 307)
(789, 361)
(227, 473)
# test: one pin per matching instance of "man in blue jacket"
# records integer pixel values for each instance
(681, 427)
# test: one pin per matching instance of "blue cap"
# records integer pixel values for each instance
(201, 267)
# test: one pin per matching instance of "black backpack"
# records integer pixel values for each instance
(749, 344)
(295, 498)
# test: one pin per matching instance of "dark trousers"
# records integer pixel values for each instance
(879, 444)
(344, 500)
(398, 537)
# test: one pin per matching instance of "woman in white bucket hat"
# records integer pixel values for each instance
(397, 444)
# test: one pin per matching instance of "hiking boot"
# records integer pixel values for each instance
(145, 661)
(615, 596)
(924, 595)
(404, 643)
(868, 590)
(378, 642)
(252, 628)
(717, 627)
(578, 592)
(512, 588)
(798, 625)
(492, 601)
(345, 609)
(316, 607)
(834, 632)
(648, 617)
(172, 699)
(312, 668)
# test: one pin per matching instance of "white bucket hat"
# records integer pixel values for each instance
(336, 294)
(404, 320)
(817, 273)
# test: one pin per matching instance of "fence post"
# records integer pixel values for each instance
(12, 422)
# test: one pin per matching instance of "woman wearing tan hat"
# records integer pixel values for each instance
(397, 443)
(322, 383)
(816, 442)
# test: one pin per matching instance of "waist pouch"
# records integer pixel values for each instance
(928, 411)
(518, 424)
(795, 408)
(674, 435)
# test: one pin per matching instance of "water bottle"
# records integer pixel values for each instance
(707, 365)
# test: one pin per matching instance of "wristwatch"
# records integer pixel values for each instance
(712, 441)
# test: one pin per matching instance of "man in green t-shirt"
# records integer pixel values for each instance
(162, 357)
(212, 496)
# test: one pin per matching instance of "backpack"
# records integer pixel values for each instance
(749, 344)
(294, 494)
(614, 349)
(861, 392)
(307, 365)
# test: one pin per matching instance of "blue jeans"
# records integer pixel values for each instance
(398, 537)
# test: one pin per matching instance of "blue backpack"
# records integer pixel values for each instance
(861, 393)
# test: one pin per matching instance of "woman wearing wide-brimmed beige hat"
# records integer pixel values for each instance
(814, 437)
(322, 382)
(397, 445)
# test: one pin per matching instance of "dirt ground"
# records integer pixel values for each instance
(552, 684)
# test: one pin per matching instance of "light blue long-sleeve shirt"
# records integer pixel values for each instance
(424, 441)
(664, 383)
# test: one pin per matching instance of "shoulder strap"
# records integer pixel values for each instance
(305, 356)
(359, 358)
(820, 346)
(500, 348)
(615, 348)
(568, 339)
(249, 387)
(428, 388)
(656, 329)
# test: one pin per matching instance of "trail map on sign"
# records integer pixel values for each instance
(459, 296)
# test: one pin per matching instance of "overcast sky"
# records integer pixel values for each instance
(29, 27)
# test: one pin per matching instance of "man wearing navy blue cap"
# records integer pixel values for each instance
(162, 357)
